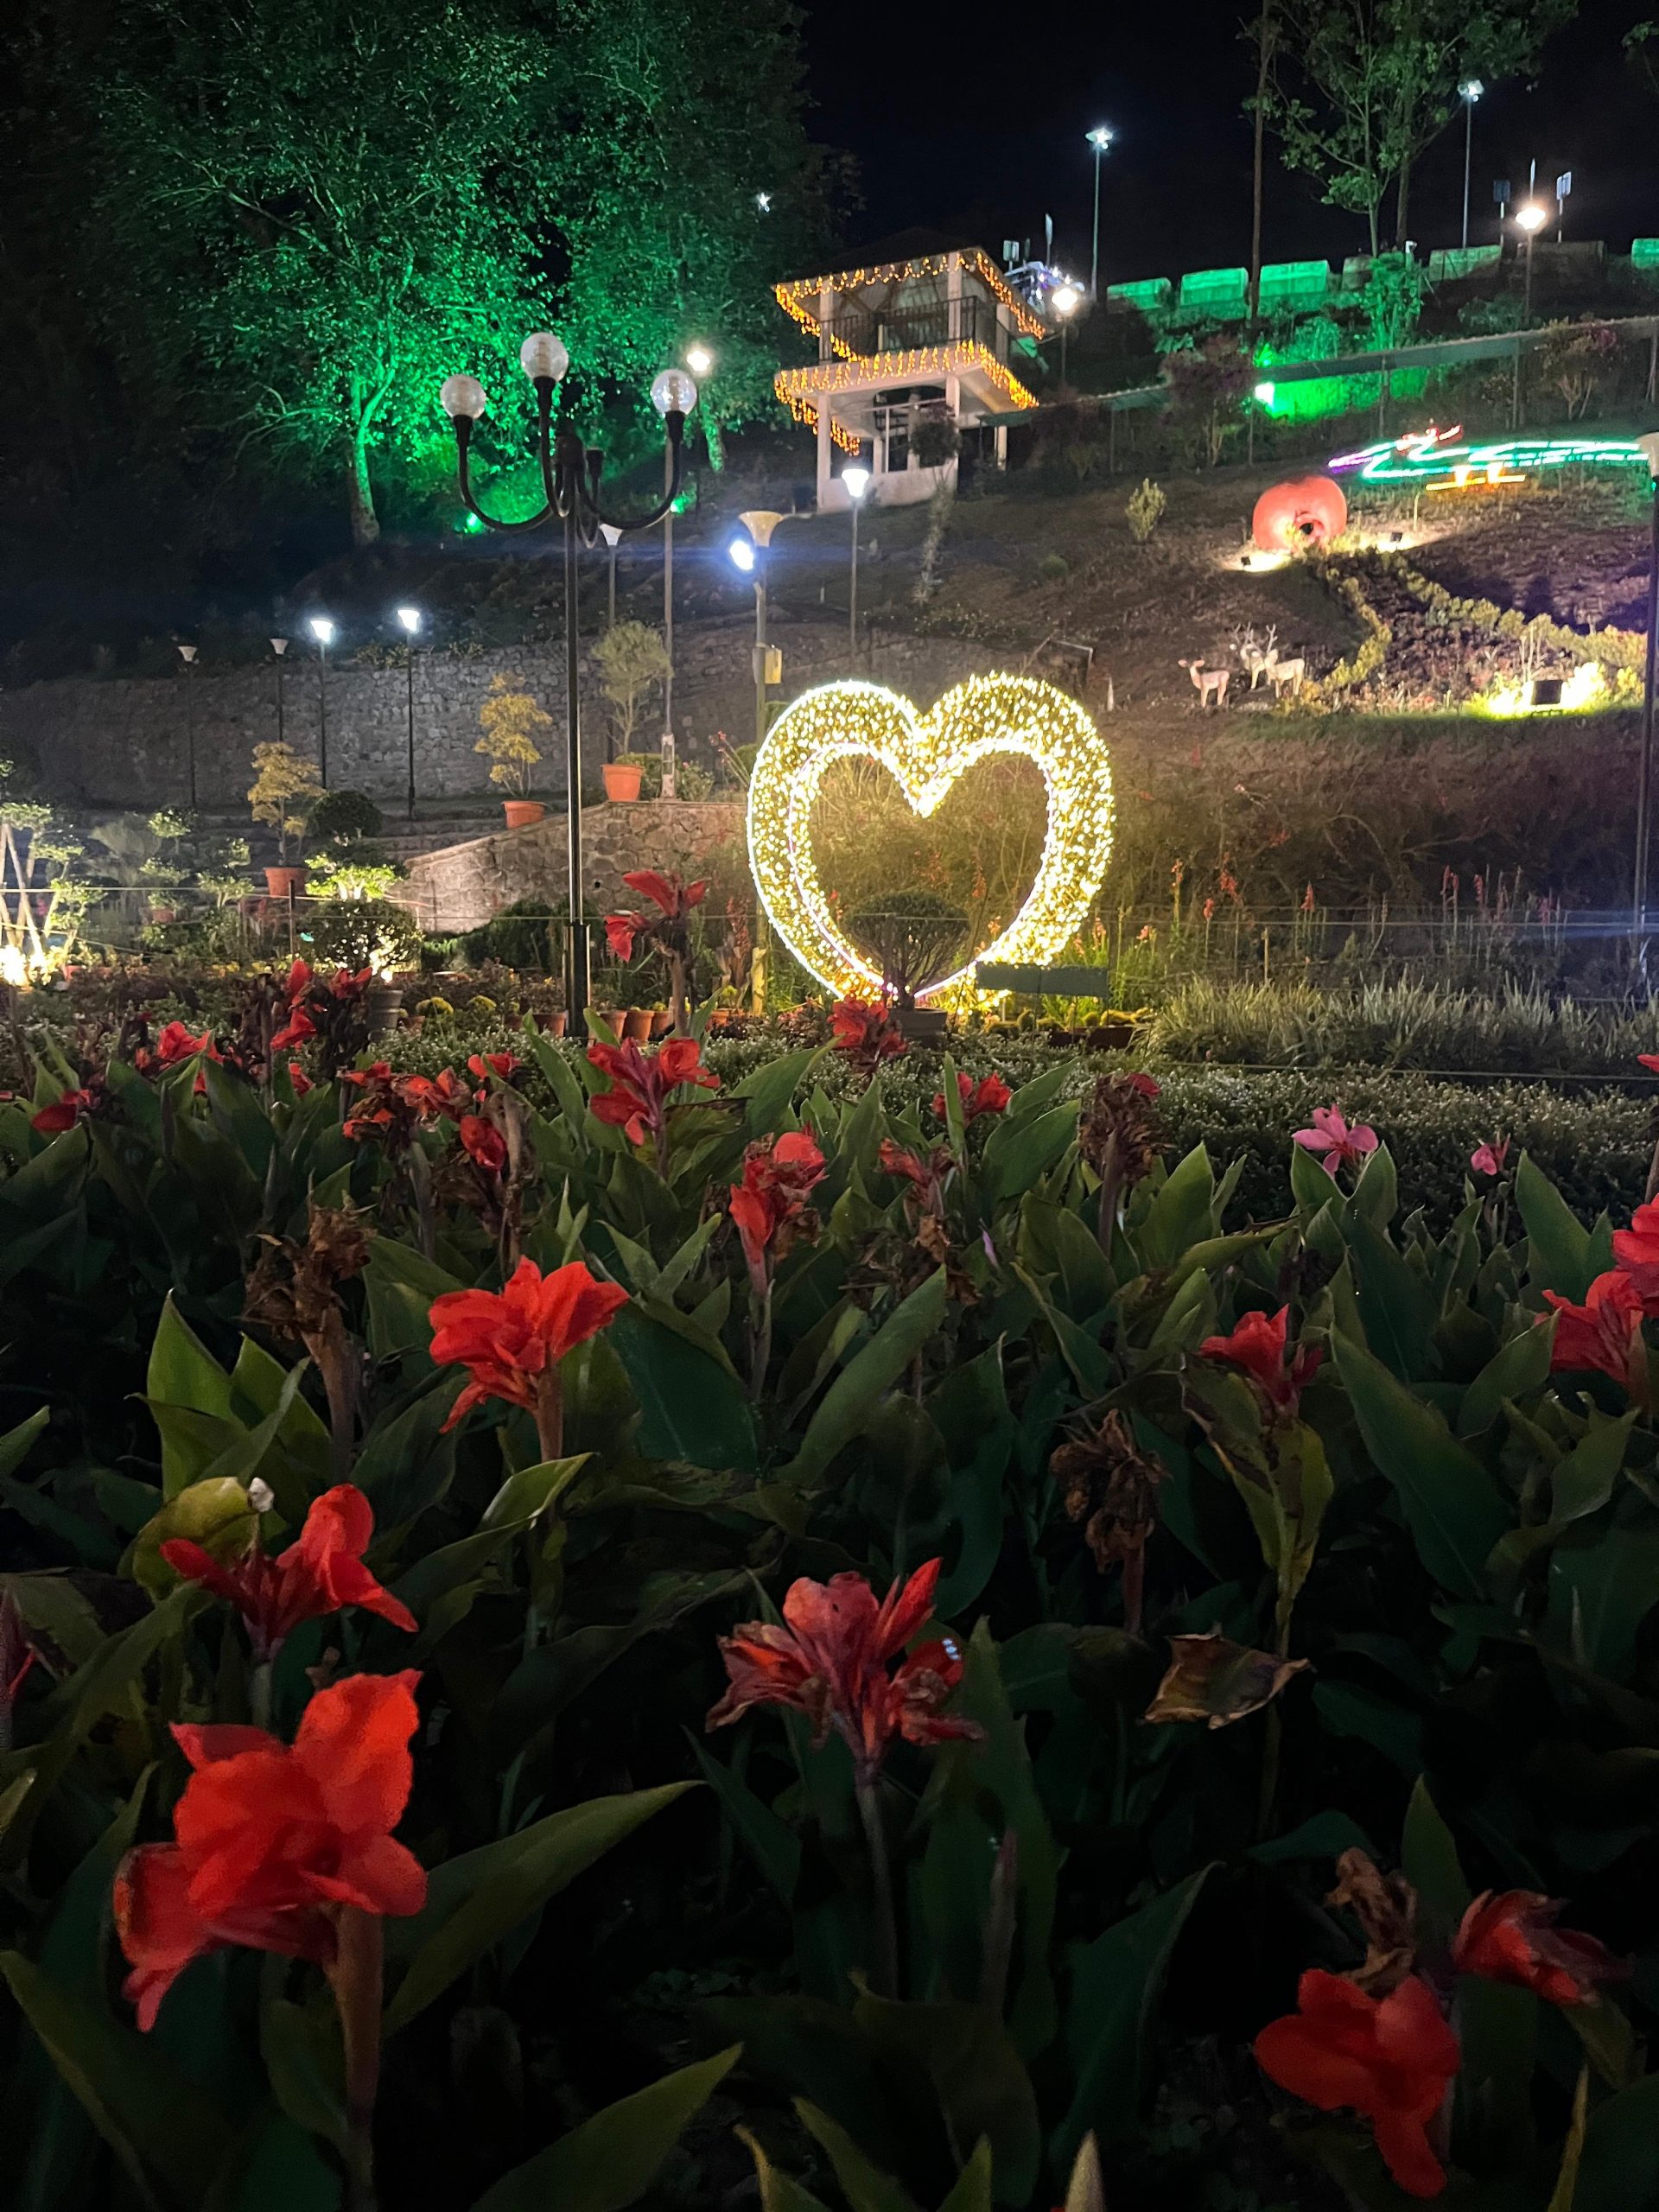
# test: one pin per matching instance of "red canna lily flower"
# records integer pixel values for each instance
(433, 1096)
(990, 1095)
(502, 1066)
(321, 1572)
(769, 1205)
(382, 1111)
(484, 1143)
(1258, 1346)
(864, 1032)
(175, 1043)
(1341, 1145)
(1636, 1249)
(1605, 1334)
(1510, 1936)
(1488, 1159)
(832, 1660)
(69, 1108)
(1648, 1060)
(511, 1341)
(295, 1031)
(274, 1840)
(1390, 2059)
(298, 1077)
(642, 1084)
(926, 1177)
(674, 901)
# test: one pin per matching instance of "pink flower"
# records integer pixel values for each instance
(1488, 1159)
(1340, 1144)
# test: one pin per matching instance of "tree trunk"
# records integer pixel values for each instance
(1264, 35)
(360, 495)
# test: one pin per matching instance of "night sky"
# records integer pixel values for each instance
(977, 126)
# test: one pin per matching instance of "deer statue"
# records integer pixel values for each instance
(1289, 672)
(1208, 683)
(1260, 660)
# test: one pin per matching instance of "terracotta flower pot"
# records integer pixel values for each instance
(285, 882)
(160, 915)
(636, 1025)
(661, 1022)
(622, 781)
(557, 1024)
(521, 813)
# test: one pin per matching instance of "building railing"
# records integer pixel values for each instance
(967, 320)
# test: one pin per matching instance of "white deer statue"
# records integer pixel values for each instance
(1260, 660)
(1289, 672)
(1209, 682)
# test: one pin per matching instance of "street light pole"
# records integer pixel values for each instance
(857, 480)
(1064, 299)
(1649, 446)
(612, 537)
(570, 480)
(411, 618)
(1099, 138)
(187, 655)
(1469, 90)
(322, 630)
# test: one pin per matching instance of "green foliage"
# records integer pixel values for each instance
(1144, 509)
(344, 817)
(357, 930)
(632, 660)
(511, 720)
(285, 791)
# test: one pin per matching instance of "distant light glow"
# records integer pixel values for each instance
(1100, 138)
(1064, 299)
(1264, 392)
(857, 480)
(1532, 217)
(763, 202)
(741, 552)
(699, 360)
(1471, 89)
(411, 618)
(322, 628)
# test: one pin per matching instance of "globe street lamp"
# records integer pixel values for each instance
(1099, 138)
(1064, 299)
(322, 629)
(1469, 91)
(410, 617)
(1529, 220)
(570, 480)
(856, 478)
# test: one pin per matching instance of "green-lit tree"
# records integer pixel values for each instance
(1357, 89)
(326, 207)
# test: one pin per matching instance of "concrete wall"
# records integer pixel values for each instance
(125, 741)
(461, 886)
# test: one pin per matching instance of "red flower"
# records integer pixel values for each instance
(1510, 1936)
(71, 1106)
(433, 1096)
(503, 1065)
(321, 1572)
(1258, 1346)
(832, 1659)
(641, 1084)
(273, 1841)
(673, 899)
(484, 1143)
(383, 1109)
(1637, 1251)
(1332, 1136)
(1390, 2059)
(1604, 1333)
(1488, 1159)
(511, 1341)
(295, 1031)
(1147, 1087)
(927, 1176)
(990, 1095)
(345, 985)
(768, 1205)
(175, 1043)
(1648, 1060)
(298, 1077)
(864, 1032)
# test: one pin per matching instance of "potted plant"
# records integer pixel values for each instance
(919, 939)
(629, 659)
(510, 720)
(285, 789)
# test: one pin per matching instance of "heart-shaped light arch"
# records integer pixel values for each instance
(925, 754)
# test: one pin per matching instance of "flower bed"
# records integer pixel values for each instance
(606, 1623)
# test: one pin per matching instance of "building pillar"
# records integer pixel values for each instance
(826, 449)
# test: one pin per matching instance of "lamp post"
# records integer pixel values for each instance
(1064, 299)
(1099, 138)
(1469, 91)
(570, 480)
(322, 629)
(187, 655)
(1529, 221)
(411, 618)
(612, 537)
(857, 480)
(279, 646)
(1649, 446)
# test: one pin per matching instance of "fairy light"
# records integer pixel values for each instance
(799, 297)
(1429, 460)
(801, 390)
(927, 755)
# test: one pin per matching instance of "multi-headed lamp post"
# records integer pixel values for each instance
(570, 480)
(1099, 138)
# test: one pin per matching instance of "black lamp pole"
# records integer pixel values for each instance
(1644, 782)
(570, 478)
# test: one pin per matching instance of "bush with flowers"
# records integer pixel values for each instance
(579, 1629)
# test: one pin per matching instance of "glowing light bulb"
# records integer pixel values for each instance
(462, 395)
(543, 354)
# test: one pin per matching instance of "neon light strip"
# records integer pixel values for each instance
(1412, 461)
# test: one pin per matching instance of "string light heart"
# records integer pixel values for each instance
(926, 754)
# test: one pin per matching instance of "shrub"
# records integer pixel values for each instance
(1145, 509)
(363, 933)
(523, 934)
(1053, 568)
(631, 661)
(284, 793)
(342, 817)
(510, 720)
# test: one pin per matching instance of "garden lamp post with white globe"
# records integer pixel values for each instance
(856, 479)
(570, 480)
(322, 627)
(409, 619)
